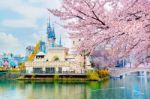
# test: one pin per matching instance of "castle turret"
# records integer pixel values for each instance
(60, 42)
(50, 35)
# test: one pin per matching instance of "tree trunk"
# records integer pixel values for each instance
(84, 63)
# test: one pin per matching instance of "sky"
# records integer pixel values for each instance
(24, 22)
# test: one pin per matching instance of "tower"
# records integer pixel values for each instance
(60, 42)
(42, 47)
(50, 35)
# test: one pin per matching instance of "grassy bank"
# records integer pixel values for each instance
(98, 75)
(60, 79)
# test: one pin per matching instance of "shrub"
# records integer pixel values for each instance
(103, 73)
(33, 76)
(92, 75)
(15, 70)
(56, 77)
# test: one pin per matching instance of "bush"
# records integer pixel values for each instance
(92, 75)
(15, 70)
(56, 77)
(1, 68)
(33, 76)
(103, 73)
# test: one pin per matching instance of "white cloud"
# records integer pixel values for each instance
(39, 36)
(19, 23)
(9, 43)
(28, 12)
(47, 3)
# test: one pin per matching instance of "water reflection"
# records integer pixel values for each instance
(127, 88)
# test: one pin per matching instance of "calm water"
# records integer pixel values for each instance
(127, 88)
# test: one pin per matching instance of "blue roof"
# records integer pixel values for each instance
(50, 31)
(51, 34)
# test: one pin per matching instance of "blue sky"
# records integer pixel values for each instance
(23, 23)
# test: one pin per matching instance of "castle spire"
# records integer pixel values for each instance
(49, 29)
(60, 41)
(54, 31)
(51, 34)
(49, 23)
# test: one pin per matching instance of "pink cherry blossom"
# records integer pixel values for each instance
(123, 24)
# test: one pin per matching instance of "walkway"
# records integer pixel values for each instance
(118, 72)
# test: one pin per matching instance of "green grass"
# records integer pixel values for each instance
(93, 76)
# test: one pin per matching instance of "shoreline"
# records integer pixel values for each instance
(20, 76)
(69, 79)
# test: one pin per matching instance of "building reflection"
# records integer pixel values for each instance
(127, 88)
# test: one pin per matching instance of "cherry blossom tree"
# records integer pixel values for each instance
(123, 24)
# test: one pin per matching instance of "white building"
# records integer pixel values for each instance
(56, 59)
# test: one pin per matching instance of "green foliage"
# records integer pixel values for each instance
(1, 68)
(33, 76)
(20, 64)
(103, 73)
(15, 70)
(92, 75)
(56, 77)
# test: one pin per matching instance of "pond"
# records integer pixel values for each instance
(131, 87)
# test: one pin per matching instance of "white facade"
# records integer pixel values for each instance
(57, 58)
(66, 67)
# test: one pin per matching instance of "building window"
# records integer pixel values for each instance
(50, 70)
(37, 70)
(60, 70)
